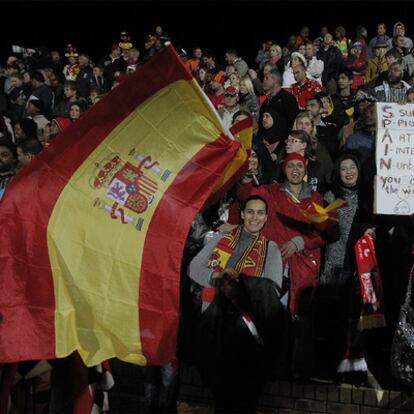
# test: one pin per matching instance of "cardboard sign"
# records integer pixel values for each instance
(394, 183)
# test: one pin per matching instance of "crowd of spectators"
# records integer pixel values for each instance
(312, 101)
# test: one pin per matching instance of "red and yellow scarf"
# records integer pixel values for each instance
(251, 263)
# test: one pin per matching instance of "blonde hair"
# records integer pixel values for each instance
(278, 49)
(249, 84)
(310, 117)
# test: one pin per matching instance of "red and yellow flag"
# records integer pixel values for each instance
(93, 230)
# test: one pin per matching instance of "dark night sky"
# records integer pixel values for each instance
(93, 26)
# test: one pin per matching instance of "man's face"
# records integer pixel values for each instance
(292, 40)
(208, 61)
(7, 160)
(68, 92)
(399, 30)
(410, 97)
(381, 30)
(395, 74)
(230, 58)
(269, 82)
(266, 69)
(400, 42)
(134, 54)
(72, 60)
(230, 101)
(304, 33)
(324, 31)
(327, 39)
(380, 51)
(97, 71)
(295, 171)
(54, 129)
(55, 56)
(116, 53)
(344, 82)
(16, 82)
(31, 109)
(309, 50)
(22, 157)
(391, 60)
(299, 74)
(197, 53)
(254, 216)
(356, 51)
(312, 108)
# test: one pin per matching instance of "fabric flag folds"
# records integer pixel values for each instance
(93, 230)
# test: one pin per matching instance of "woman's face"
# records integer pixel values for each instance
(295, 171)
(253, 161)
(26, 77)
(356, 51)
(74, 112)
(295, 145)
(267, 120)
(349, 172)
(295, 61)
(243, 88)
(230, 70)
(274, 51)
(234, 80)
(305, 124)
(18, 131)
(302, 49)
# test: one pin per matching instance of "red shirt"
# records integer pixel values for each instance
(305, 92)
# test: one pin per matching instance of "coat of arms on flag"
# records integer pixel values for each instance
(127, 185)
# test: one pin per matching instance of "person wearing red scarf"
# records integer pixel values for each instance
(300, 242)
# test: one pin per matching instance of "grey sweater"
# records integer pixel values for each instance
(201, 273)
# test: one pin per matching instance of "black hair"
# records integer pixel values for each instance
(29, 127)
(347, 72)
(241, 112)
(38, 76)
(337, 186)
(232, 52)
(4, 142)
(208, 53)
(31, 146)
(253, 197)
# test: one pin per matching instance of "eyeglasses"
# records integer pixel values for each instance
(293, 141)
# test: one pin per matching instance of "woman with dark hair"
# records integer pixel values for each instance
(340, 345)
(76, 110)
(269, 135)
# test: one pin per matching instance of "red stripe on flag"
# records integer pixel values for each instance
(27, 329)
(164, 244)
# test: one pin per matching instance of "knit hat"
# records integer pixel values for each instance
(299, 56)
(62, 123)
(293, 156)
(115, 46)
(356, 45)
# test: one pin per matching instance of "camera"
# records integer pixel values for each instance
(23, 50)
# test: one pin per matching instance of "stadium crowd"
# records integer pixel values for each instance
(313, 105)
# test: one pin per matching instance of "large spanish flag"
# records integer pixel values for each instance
(92, 231)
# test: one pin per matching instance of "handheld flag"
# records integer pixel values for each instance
(93, 230)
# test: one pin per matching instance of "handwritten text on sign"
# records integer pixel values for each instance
(394, 184)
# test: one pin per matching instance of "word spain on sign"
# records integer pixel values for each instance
(394, 183)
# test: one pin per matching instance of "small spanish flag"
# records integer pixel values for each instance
(324, 214)
(93, 230)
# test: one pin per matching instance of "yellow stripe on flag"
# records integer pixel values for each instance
(96, 260)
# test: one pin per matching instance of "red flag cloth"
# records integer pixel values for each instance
(372, 312)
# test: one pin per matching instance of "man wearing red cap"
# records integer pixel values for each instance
(217, 90)
(58, 125)
(231, 106)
